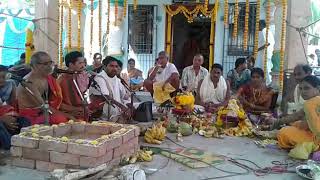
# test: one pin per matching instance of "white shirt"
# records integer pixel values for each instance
(190, 79)
(118, 92)
(261, 42)
(164, 74)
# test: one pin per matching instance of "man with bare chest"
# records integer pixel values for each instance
(40, 87)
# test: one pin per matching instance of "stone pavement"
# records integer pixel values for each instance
(170, 170)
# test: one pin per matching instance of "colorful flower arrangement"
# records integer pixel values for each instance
(184, 101)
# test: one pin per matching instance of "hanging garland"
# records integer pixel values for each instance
(91, 26)
(226, 13)
(189, 14)
(236, 16)
(268, 16)
(246, 26)
(100, 29)
(69, 26)
(206, 4)
(124, 12)
(108, 26)
(283, 38)
(256, 38)
(135, 5)
(115, 12)
(79, 12)
(61, 8)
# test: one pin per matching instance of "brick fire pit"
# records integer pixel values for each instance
(73, 145)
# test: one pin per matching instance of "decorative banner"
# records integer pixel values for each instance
(17, 4)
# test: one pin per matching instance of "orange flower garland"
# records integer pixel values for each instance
(226, 13)
(108, 26)
(135, 4)
(124, 11)
(91, 25)
(115, 12)
(256, 38)
(79, 12)
(236, 16)
(246, 26)
(100, 29)
(206, 4)
(69, 25)
(267, 37)
(283, 41)
(61, 8)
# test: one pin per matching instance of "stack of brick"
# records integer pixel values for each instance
(39, 151)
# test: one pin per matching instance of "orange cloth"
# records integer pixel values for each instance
(36, 116)
(290, 136)
(70, 94)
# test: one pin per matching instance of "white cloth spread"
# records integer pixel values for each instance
(208, 93)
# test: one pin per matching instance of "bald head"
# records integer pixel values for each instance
(37, 57)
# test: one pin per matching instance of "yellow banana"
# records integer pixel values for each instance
(133, 159)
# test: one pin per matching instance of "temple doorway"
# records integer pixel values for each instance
(189, 39)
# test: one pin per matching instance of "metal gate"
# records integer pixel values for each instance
(142, 36)
(233, 47)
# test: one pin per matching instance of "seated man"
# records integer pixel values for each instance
(73, 101)
(44, 88)
(308, 129)
(256, 96)
(164, 72)
(20, 68)
(238, 76)
(191, 75)
(108, 86)
(133, 76)
(300, 72)
(10, 122)
(214, 90)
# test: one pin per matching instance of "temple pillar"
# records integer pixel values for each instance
(46, 35)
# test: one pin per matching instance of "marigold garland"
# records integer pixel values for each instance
(124, 12)
(79, 13)
(61, 8)
(135, 4)
(256, 38)
(268, 16)
(236, 16)
(91, 25)
(226, 13)
(246, 26)
(108, 26)
(189, 14)
(283, 38)
(206, 5)
(115, 12)
(69, 25)
(100, 29)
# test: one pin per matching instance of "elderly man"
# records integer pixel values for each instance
(40, 87)
(164, 72)
(74, 86)
(108, 86)
(191, 75)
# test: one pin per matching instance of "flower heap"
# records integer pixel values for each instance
(246, 26)
(235, 112)
(267, 35)
(184, 102)
(236, 16)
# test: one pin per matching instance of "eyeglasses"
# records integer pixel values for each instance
(46, 63)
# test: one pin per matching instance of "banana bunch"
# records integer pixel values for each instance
(141, 155)
(237, 131)
(155, 135)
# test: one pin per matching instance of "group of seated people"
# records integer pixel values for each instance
(110, 98)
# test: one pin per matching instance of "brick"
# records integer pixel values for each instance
(114, 162)
(46, 132)
(96, 129)
(113, 143)
(35, 154)
(87, 150)
(118, 151)
(64, 158)
(52, 145)
(48, 166)
(25, 163)
(127, 136)
(108, 156)
(28, 142)
(61, 130)
(88, 162)
(134, 141)
(16, 151)
(114, 128)
(78, 128)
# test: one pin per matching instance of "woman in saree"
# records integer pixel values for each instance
(255, 96)
(305, 124)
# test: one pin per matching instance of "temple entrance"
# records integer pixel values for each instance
(190, 39)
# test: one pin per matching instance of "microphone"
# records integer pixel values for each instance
(63, 71)
(18, 78)
(123, 82)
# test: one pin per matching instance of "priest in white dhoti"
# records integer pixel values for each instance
(115, 99)
(261, 42)
(214, 90)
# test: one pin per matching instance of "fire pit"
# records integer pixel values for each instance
(73, 145)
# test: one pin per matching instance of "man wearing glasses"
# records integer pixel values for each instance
(40, 87)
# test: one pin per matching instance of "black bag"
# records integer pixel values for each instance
(144, 112)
